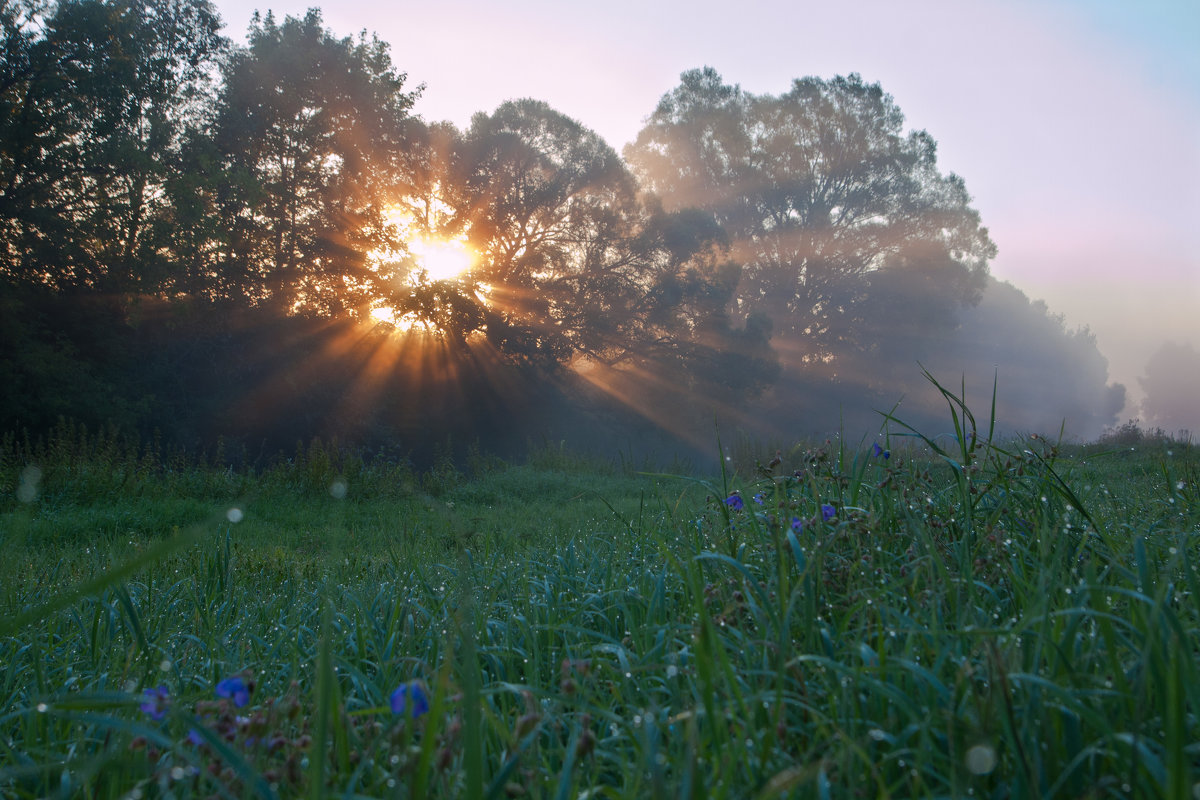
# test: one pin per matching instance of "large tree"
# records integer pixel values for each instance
(569, 264)
(818, 188)
(551, 215)
(306, 153)
(1172, 387)
(93, 95)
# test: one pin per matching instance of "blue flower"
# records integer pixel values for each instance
(194, 737)
(797, 525)
(411, 692)
(759, 498)
(828, 512)
(155, 703)
(735, 502)
(235, 689)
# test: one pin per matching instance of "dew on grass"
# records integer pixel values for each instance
(42, 708)
(234, 515)
(338, 490)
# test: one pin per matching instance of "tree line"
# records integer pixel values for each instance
(199, 238)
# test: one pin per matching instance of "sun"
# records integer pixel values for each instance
(422, 259)
(441, 259)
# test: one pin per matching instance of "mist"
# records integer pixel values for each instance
(773, 267)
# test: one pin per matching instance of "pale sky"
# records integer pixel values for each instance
(1075, 123)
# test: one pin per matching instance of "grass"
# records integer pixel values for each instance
(1010, 619)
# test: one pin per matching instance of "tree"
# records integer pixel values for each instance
(1172, 386)
(310, 136)
(550, 213)
(92, 98)
(818, 189)
(570, 266)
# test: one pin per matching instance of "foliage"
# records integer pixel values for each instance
(93, 97)
(310, 131)
(1172, 384)
(205, 240)
(818, 189)
(549, 210)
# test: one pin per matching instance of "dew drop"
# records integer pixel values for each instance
(981, 759)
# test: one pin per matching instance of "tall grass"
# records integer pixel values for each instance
(946, 616)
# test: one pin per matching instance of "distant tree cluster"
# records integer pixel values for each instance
(1172, 386)
(203, 238)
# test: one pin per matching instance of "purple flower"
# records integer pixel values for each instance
(235, 689)
(828, 512)
(411, 692)
(759, 498)
(155, 703)
(797, 525)
(735, 502)
(194, 737)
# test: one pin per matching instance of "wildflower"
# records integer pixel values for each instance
(155, 704)
(235, 689)
(879, 451)
(412, 692)
(759, 498)
(735, 502)
(828, 512)
(195, 737)
(797, 525)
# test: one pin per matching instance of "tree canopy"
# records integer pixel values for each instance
(94, 95)
(194, 233)
(1172, 386)
(818, 189)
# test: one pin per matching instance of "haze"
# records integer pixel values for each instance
(1076, 125)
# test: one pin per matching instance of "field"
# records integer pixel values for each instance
(904, 616)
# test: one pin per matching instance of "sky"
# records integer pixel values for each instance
(1074, 123)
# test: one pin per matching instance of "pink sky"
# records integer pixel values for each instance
(1075, 123)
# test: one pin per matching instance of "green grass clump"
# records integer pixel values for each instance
(944, 616)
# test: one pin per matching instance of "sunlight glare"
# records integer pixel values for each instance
(384, 314)
(442, 260)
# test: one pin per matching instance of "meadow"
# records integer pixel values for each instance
(916, 615)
